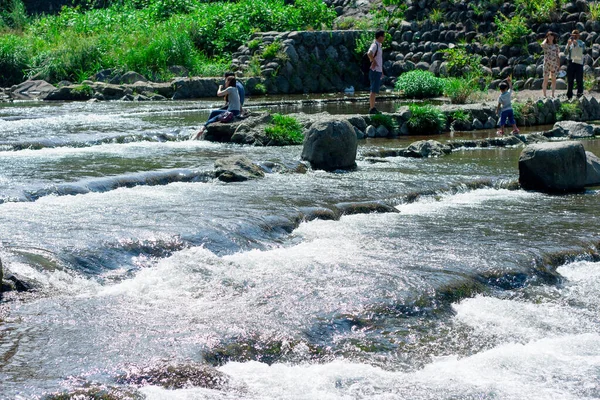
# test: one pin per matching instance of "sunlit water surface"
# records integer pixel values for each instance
(139, 256)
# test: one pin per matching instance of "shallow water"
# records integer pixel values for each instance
(140, 256)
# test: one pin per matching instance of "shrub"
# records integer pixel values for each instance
(512, 31)
(569, 111)
(594, 11)
(285, 130)
(425, 119)
(419, 84)
(539, 10)
(362, 44)
(460, 89)
(461, 63)
(461, 116)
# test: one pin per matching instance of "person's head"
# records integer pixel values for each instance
(503, 86)
(380, 36)
(551, 37)
(575, 34)
(230, 81)
(228, 73)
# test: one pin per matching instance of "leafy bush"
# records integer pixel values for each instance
(513, 30)
(260, 88)
(362, 44)
(285, 130)
(425, 119)
(461, 63)
(419, 84)
(461, 116)
(569, 111)
(594, 11)
(14, 14)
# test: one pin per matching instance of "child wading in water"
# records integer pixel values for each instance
(504, 109)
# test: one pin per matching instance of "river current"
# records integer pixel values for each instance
(473, 290)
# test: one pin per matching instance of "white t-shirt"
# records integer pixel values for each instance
(376, 47)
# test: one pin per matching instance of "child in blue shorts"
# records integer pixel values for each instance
(504, 109)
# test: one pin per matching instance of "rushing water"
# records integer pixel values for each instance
(139, 256)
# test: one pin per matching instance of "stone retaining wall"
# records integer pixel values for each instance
(325, 61)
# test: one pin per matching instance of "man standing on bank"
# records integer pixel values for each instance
(376, 71)
(574, 52)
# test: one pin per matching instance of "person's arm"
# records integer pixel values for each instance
(544, 43)
(221, 92)
(509, 80)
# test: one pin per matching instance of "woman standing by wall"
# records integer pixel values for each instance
(551, 61)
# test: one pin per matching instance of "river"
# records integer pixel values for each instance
(139, 256)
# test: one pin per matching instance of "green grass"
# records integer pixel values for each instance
(285, 130)
(147, 36)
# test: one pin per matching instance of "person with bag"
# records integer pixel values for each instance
(376, 69)
(574, 51)
(233, 107)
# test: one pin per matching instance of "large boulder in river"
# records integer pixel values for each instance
(330, 145)
(592, 176)
(553, 167)
(237, 169)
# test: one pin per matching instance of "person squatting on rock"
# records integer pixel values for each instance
(376, 70)
(551, 60)
(241, 92)
(504, 109)
(574, 51)
(233, 106)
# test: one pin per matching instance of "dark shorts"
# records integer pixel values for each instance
(507, 117)
(375, 79)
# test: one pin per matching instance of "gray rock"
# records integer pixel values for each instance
(593, 169)
(382, 131)
(32, 90)
(553, 167)
(490, 123)
(237, 169)
(132, 77)
(426, 148)
(371, 131)
(575, 130)
(330, 145)
(477, 124)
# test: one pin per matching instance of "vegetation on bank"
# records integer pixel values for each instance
(147, 36)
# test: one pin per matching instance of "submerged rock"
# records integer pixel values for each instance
(427, 148)
(237, 169)
(553, 167)
(177, 376)
(573, 129)
(96, 393)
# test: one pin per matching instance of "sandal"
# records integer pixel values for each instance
(499, 133)
(515, 132)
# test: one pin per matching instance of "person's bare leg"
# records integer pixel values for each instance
(372, 97)
(553, 83)
(545, 85)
